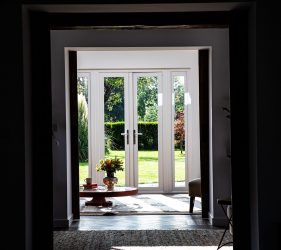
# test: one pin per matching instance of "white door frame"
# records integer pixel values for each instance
(165, 123)
(187, 128)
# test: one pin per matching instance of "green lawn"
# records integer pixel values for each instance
(148, 164)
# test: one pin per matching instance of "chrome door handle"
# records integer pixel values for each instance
(127, 135)
(135, 134)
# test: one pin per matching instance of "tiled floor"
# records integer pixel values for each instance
(142, 212)
(180, 220)
(144, 204)
(141, 222)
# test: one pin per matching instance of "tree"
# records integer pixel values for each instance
(179, 93)
(113, 99)
(147, 98)
(179, 130)
(82, 86)
(82, 128)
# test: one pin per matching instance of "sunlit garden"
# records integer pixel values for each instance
(147, 166)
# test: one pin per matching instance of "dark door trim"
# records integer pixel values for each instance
(74, 133)
(239, 105)
(41, 112)
(204, 128)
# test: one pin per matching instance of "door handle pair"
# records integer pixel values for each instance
(135, 134)
(127, 134)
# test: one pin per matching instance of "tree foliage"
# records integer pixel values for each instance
(179, 130)
(113, 99)
(82, 86)
(82, 128)
(147, 99)
(179, 94)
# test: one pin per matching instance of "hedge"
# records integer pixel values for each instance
(113, 138)
(147, 141)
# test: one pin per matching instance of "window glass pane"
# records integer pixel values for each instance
(114, 116)
(147, 101)
(179, 132)
(82, 91)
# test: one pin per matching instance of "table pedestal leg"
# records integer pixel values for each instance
(99, 201)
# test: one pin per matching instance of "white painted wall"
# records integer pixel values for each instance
(136, 58)
(193, 122)
(220, 172)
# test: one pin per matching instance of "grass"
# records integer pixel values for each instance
(83, 171)
(148, 167)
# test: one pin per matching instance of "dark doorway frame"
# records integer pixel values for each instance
(204, 128)
(204, 60)
(42, 23)
(72, 56)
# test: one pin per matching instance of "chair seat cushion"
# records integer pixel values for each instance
(195, 187)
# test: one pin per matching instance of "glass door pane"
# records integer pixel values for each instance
(83, 80)
(179, 130)
(147, 130)
(114, 121)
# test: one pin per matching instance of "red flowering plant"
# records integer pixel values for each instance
(110, 166)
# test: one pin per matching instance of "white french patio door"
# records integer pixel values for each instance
(147, 130)
(141, 117)
(113, 118)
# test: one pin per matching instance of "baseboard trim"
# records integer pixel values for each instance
(70, 219)
(63, 223)
(217, 221)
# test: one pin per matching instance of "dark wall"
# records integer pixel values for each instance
(265, 137)
(268, 125)
(252, 90)
(239, 103)
(12, 130)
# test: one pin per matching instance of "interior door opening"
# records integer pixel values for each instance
(144, 117)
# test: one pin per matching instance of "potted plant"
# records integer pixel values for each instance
(110, 166)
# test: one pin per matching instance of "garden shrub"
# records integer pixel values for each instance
(149, 138)
(114, 139)
(147, 141)
(82, 128)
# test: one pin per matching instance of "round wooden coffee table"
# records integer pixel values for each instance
(99, 194)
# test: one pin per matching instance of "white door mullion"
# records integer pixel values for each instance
(128, 165)
(167, 131)
(134, 127)
(96, 124)
(188, 133)
(90, 132)
(160, 132)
